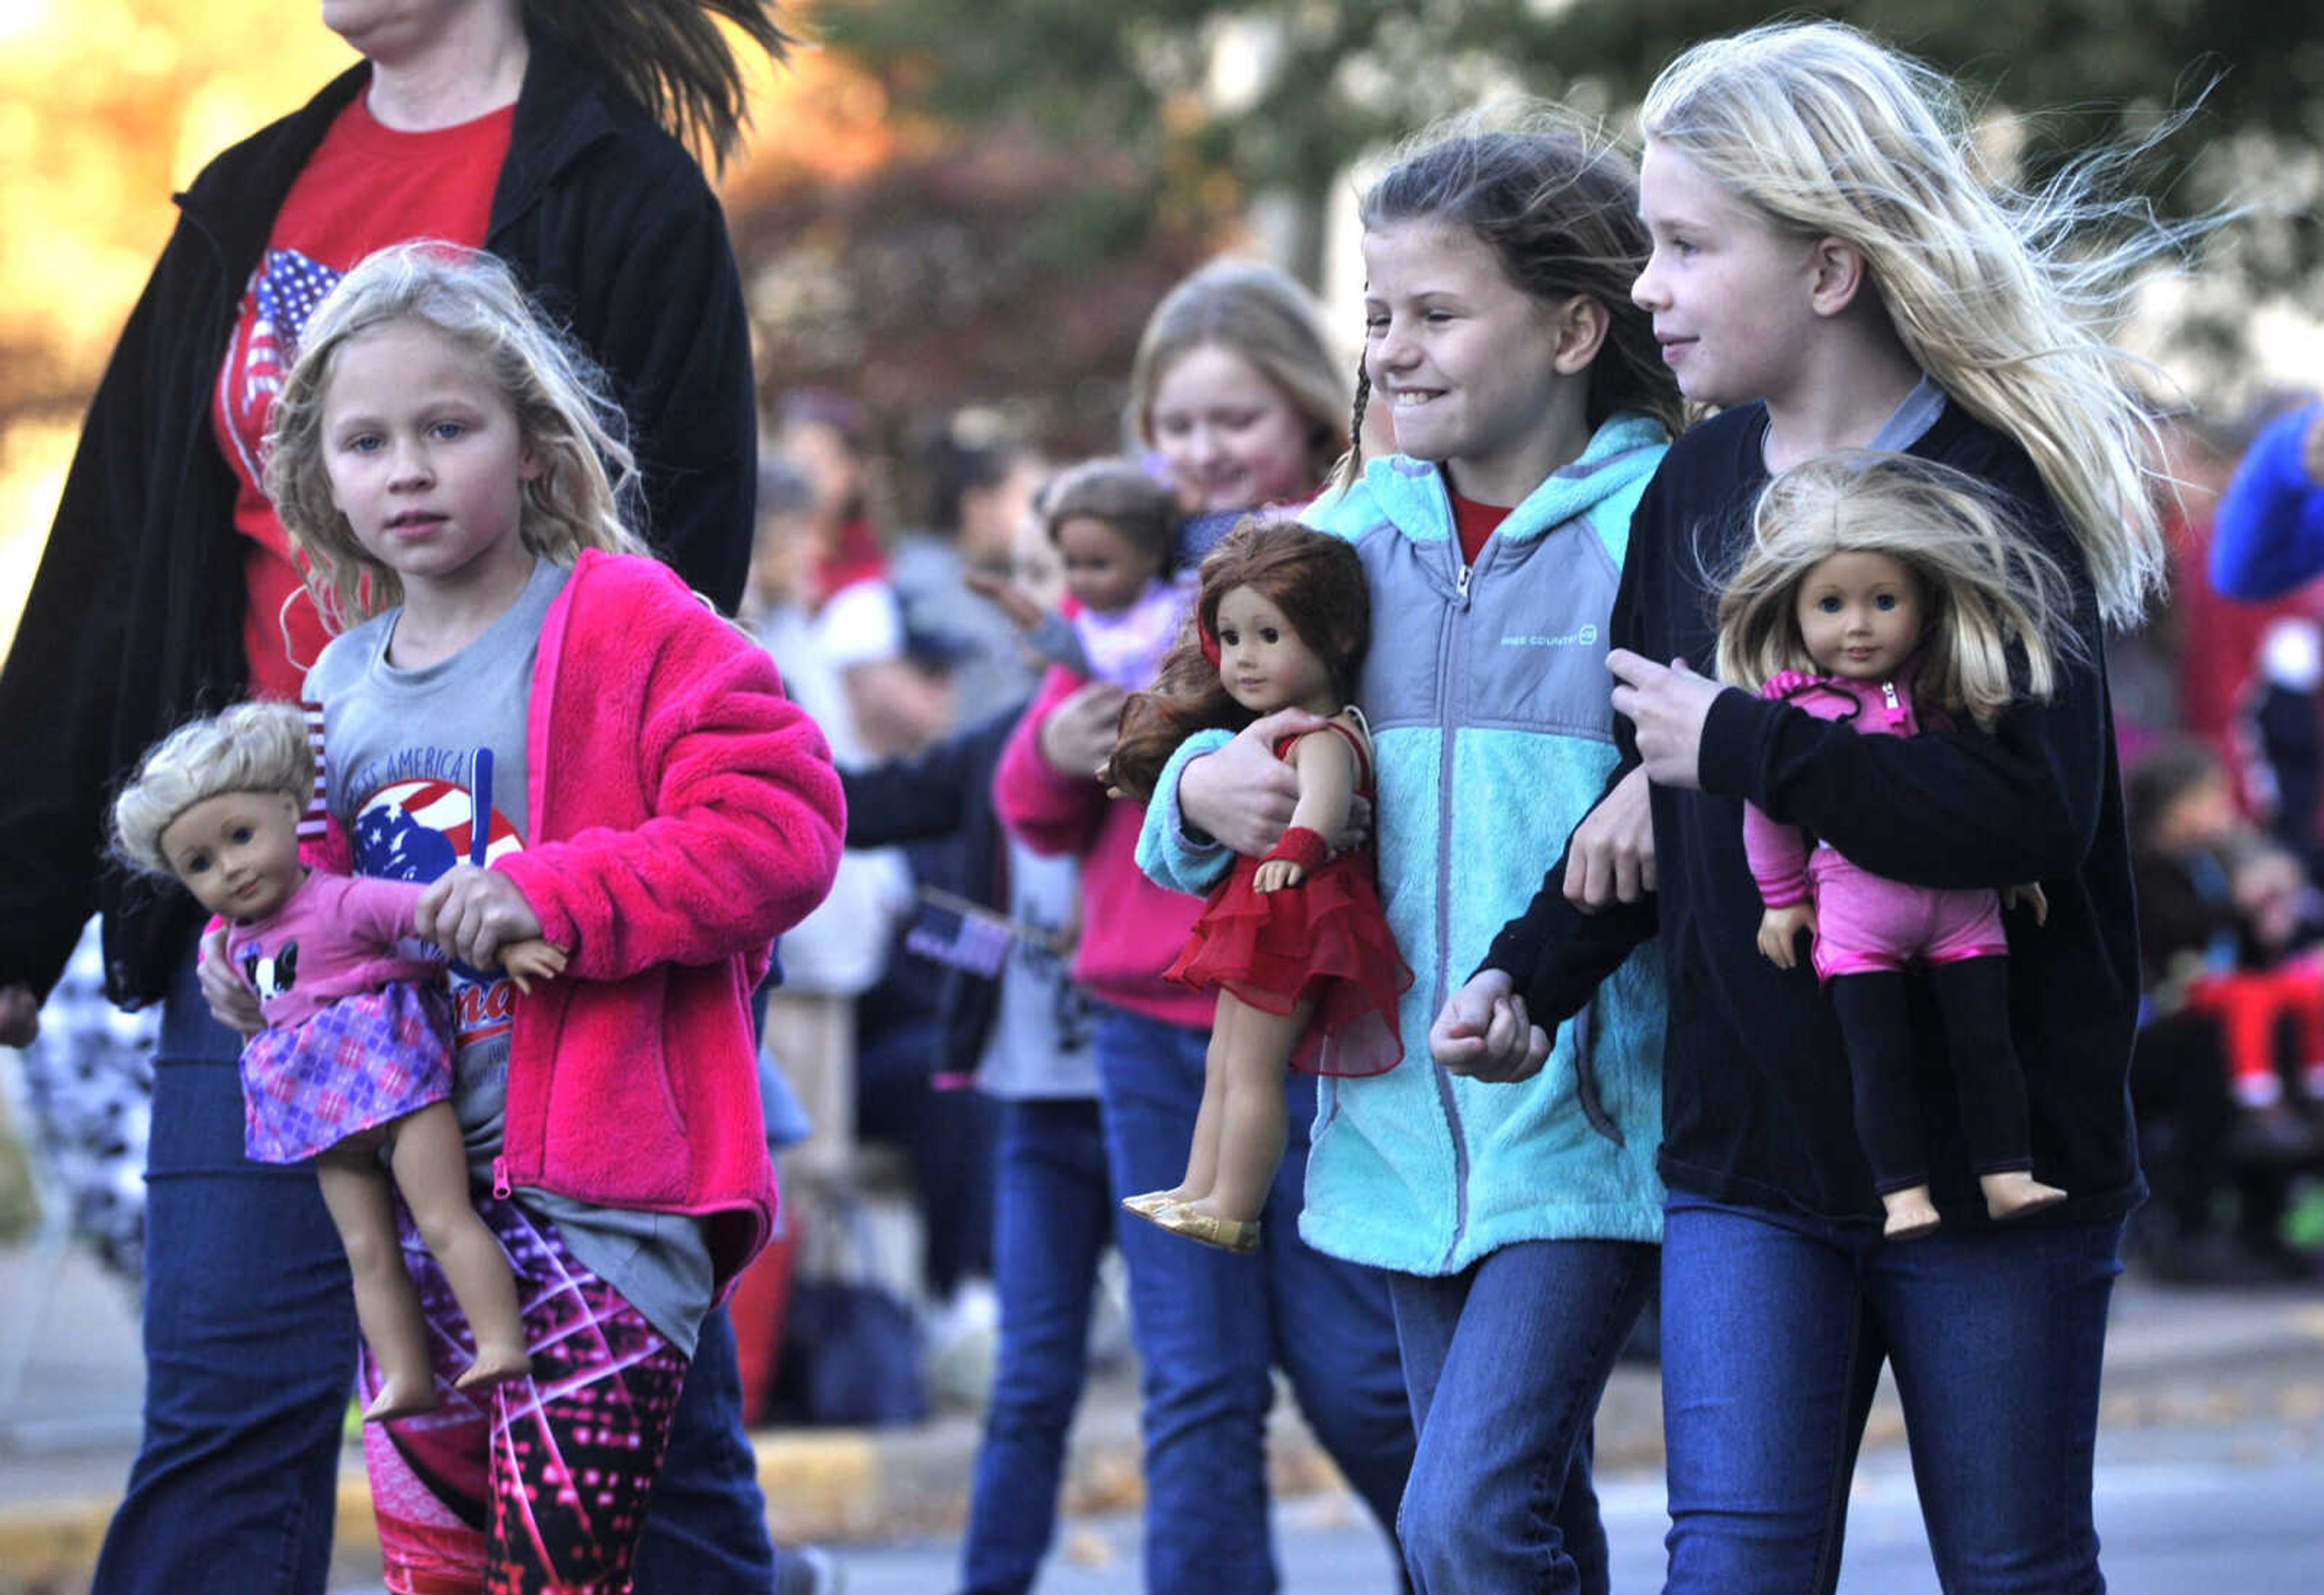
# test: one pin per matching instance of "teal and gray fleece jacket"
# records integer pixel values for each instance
(1487, 690)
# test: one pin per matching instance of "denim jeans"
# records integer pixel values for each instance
(1775, 1327)
(250, 1358)
(1209, 1326)
(1505, 1362)
(1054, 1214)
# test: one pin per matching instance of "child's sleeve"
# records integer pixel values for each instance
(2268, 536)
(1050, 812)
(1174, 856)
(746, 821)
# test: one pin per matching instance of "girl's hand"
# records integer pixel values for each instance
(1014, 601)
(472, 913)
(1080, 732)
(1668, 704)
(1278, 873)
(1243, 796)
(1485, 1033)
(232, 1001)
(20, 1015)
(1611, 858)
(1779, 933)
(2031, 896)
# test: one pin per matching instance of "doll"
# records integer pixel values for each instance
(1887, 592)
(355, 1059)
(1296, 944)
(1113, 528)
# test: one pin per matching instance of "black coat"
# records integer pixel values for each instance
(134, 622)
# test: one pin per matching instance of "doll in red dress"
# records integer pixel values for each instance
(354, 1069)
(1296, 944)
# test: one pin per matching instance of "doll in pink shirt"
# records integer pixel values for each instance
(355, 1058)
(1879, 588)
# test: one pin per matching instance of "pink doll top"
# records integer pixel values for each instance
(1779, 852)
(334, 936)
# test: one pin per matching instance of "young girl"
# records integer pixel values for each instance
(1247, 363)
(1114, 529)
(1515, 1227)
(1237, 393)
(355, 1058)
(517, 683)
(1295, 942)
(1885, 594)
(1830, 267)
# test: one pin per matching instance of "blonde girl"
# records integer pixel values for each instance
(1531, 410)
(562, 741)
(1237, 393)
(354, 1069)
(1832, 267)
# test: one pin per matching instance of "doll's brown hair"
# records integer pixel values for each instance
(1314, 577)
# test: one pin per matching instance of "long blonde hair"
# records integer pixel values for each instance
(588, 483)
(1991, 598)
(1831, 133)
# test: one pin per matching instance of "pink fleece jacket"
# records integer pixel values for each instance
(683, 813)
(1131, 928)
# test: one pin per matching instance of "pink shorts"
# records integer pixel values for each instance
(1865, 924)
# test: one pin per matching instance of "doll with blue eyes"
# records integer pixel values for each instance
(1887, 594)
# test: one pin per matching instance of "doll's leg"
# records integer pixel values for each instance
(432, 1171)
(1973, 1000)
(1879, 1043)
(1252, 1125)
(1202, 1150)
(387, 1306)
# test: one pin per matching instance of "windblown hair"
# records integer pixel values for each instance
(563, 405)
(256, 747)
(1314, 577)
(1831, 133)
(1120, 494)
(671, 56)
(1995, 608)
(1559, 210)
(1263, 315)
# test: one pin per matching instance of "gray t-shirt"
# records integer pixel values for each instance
(412, 760)
(1039, 1045)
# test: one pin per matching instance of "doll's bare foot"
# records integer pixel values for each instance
(1911, 1214)
(2014, 1194)
(402, 1397)
(494, 1364)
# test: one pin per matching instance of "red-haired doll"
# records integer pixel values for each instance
(1295, 942)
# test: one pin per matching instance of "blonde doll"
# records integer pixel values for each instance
(355, 1058)
(1886, 592)
(1295, 942)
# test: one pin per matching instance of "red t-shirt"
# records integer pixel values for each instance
(1475, 522)
(366, 186)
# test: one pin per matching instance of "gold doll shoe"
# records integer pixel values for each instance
(1235, 1235)
(1147, 1204)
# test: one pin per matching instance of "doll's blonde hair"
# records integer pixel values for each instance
(1829, 133)
(259, 747)
(1252, 309)
(1995, 607)
(588, 481)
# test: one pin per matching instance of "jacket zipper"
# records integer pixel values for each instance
(1450, 678)
(502, 1190)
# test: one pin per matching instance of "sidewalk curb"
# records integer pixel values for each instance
(838, 1485)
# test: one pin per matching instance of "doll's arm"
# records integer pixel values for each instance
(1326, 766)
(2029, 895)
(532, 960)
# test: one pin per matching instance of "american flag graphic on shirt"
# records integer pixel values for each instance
(283, 293)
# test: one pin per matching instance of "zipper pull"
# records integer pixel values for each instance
(1888, 697)
(1465, 569)
(502, 1190)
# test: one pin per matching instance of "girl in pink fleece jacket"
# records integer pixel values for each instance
(560, 742)
(1871, 578)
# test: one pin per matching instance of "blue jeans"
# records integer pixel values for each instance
(1775, 1327)
(1504, 1363)
(1053, 1210)
(1209, 1326)
(250, 1356)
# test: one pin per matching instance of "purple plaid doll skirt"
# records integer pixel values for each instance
(364, 1060)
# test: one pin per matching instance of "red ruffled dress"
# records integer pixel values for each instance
(1325, 939)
